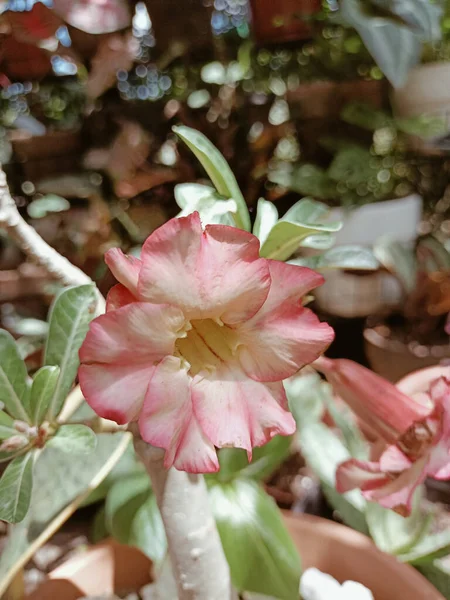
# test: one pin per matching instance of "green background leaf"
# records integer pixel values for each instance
(76, 439)
(15, 489)
(14, 392)
(42, 390)
(69, 320)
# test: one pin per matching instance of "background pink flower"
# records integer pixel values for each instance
(423, 450)
(197, 338)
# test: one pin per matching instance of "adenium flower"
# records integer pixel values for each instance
(421, 450)
(197, 338)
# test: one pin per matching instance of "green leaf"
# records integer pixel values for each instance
(345, 421)
(394, 47)
(14, 391)
(234, 462)
(258, 547)
(7, 428)
(50, 203)
(301, 221)
(352, 166)
(311, 180)
(341, 257)
(132, 516)
(74, 439)
(218, 170)
(69, 320)
(306, 393)
(398, 260)
(15, 489)
(211, 206)
(366, 116)
(324, 452)
(266, 218)
(393, 533)
(61, 483)
(426, 126)
(429, 548)
(42, 390)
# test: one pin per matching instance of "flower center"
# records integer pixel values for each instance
(206, 345)
(416, 440)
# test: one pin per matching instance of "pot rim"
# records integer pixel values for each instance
(372, 336)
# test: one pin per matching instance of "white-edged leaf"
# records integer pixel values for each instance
(218, 171)
(211, 206)
(304, 219)
(74, 439)
(258, 547)
(14, 390)
(42, 390)
(15, 489)
(69, 320)
(428, 549)
(398, 260)
(266, 217)
(341, 257)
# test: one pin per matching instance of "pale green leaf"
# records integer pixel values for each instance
(438, 573)
(211, 206)
(266, 217)
(304, 219)
(147, 530)
(74, 439)
(345, 421)
(218, 170)
(15, 489)
(306, 393)
(258, 547)
(14, 391)
(341, 257)
(310, 180)
(42, 390)
(393, 533)
(7, 428)
(324, 452)
(61, 483)
(366, 116)
(429, 548)
(69, 320)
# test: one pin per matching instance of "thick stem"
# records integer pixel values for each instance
(30, 242)
(196, 553)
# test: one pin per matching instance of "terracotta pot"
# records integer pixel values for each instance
(333, 548)
(393, 359)
(346, 554)
(106, 568)
(275, 22)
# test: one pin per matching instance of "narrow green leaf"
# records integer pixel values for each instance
(15, 489)
(438, 573)
(366, 116)
(218, 170)
(7, 428)
(397, 259)
(14, 392)
(304, 219)
(147, 530)
(211, 206)
(306, 393)
(74, 439)
(351, 434)
(258, 547)
(69, 320)
(324, 452)
(341, 257)
(266, 217)
(42, 390)
(122, 502)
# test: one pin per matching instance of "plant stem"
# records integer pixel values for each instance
(198, 561)
(31, 243)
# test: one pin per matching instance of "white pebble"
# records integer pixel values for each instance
(352, 590)
(315, 585)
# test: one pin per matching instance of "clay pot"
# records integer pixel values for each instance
(333, 548)
(106, 568)
(277, 22)
(393, 359)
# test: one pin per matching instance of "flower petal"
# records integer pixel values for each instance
(115, 392)
(168, 421)
(118, 296)
(124, 267)
(236, 411)
(283, 336)
(360, 474)
(134, 333)
(393, 460)
(212, 274)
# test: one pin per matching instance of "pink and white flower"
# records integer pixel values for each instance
(197, 338)
(423, 450)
